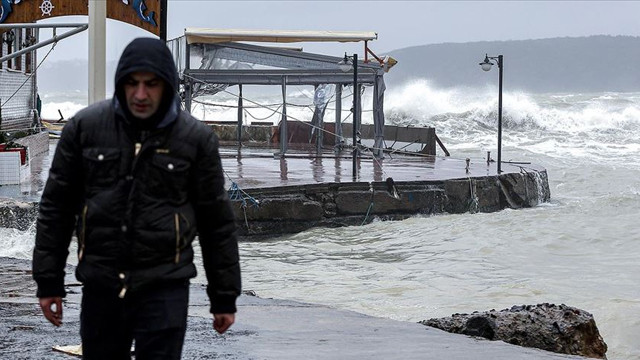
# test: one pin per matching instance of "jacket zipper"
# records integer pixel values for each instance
(122, 276)
(123, 292)
(82, 232)
(136, 152)
(177, 223)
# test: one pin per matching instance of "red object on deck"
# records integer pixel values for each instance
(22, 150)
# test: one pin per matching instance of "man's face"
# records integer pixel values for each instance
(143, 91)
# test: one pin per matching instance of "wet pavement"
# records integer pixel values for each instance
(260, 167)
(263, 167)
(264, 329)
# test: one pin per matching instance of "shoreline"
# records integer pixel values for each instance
(264, 329)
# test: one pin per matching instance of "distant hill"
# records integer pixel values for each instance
(582, 64)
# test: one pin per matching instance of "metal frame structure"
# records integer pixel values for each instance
(21, 107)
(78, 29)
(276, 67)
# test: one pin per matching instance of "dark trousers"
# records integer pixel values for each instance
(156, 318)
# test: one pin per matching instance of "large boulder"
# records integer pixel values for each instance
(557, 328)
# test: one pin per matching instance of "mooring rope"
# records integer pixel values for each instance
(372, 191)
(237, 194)
(474, 198)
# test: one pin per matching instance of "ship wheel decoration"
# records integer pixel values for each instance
(46, 7)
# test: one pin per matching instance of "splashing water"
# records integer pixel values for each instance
(16, 243)
(597, 126)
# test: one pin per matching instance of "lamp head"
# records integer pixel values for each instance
(486, 64)
(345, 64)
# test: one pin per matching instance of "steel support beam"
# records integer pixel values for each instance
(274, 77)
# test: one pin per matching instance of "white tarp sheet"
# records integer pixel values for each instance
(211, 36)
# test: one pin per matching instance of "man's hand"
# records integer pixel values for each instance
(47, 304)
(222, 322)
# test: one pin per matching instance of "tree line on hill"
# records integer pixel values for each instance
(580, 64)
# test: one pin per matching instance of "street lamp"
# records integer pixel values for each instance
(486, 66)
(348, 63)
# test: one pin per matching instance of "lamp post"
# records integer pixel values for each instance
(486, 66)
(345, 66)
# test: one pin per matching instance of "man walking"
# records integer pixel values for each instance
(137, 178)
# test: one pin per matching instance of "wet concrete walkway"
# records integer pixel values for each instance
(264, 329)
(261, 167)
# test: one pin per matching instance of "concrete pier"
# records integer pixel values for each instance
(275, 195)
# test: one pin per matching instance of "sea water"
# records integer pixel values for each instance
(580, 249)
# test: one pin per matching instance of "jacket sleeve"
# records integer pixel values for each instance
(59, 205)
(216, 228)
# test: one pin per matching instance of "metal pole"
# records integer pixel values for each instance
(97, 50)
(500, 65)
(54, 39)
(187, 54)
(240, 112)
(188, 93)
(283, 123)
(186, 79)
(338, 129)
(163, 20)
(355, 115)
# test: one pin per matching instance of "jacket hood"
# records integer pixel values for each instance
(151, 55)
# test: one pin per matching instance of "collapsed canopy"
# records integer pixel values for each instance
(210, 36)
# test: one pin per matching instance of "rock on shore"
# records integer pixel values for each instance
(264, 329)
(558, 328)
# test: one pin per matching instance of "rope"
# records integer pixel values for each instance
(372, 191)
(235, 106)
(264, 118)
(474, 197)
(237, 194)
(30, 75)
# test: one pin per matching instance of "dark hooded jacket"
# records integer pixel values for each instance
(137, 192)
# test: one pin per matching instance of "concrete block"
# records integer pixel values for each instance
(488, 194)
(289, 208)
(458, 196)
(352, 202)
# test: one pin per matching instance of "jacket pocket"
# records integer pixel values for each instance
(169, 177)
(101, 166)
